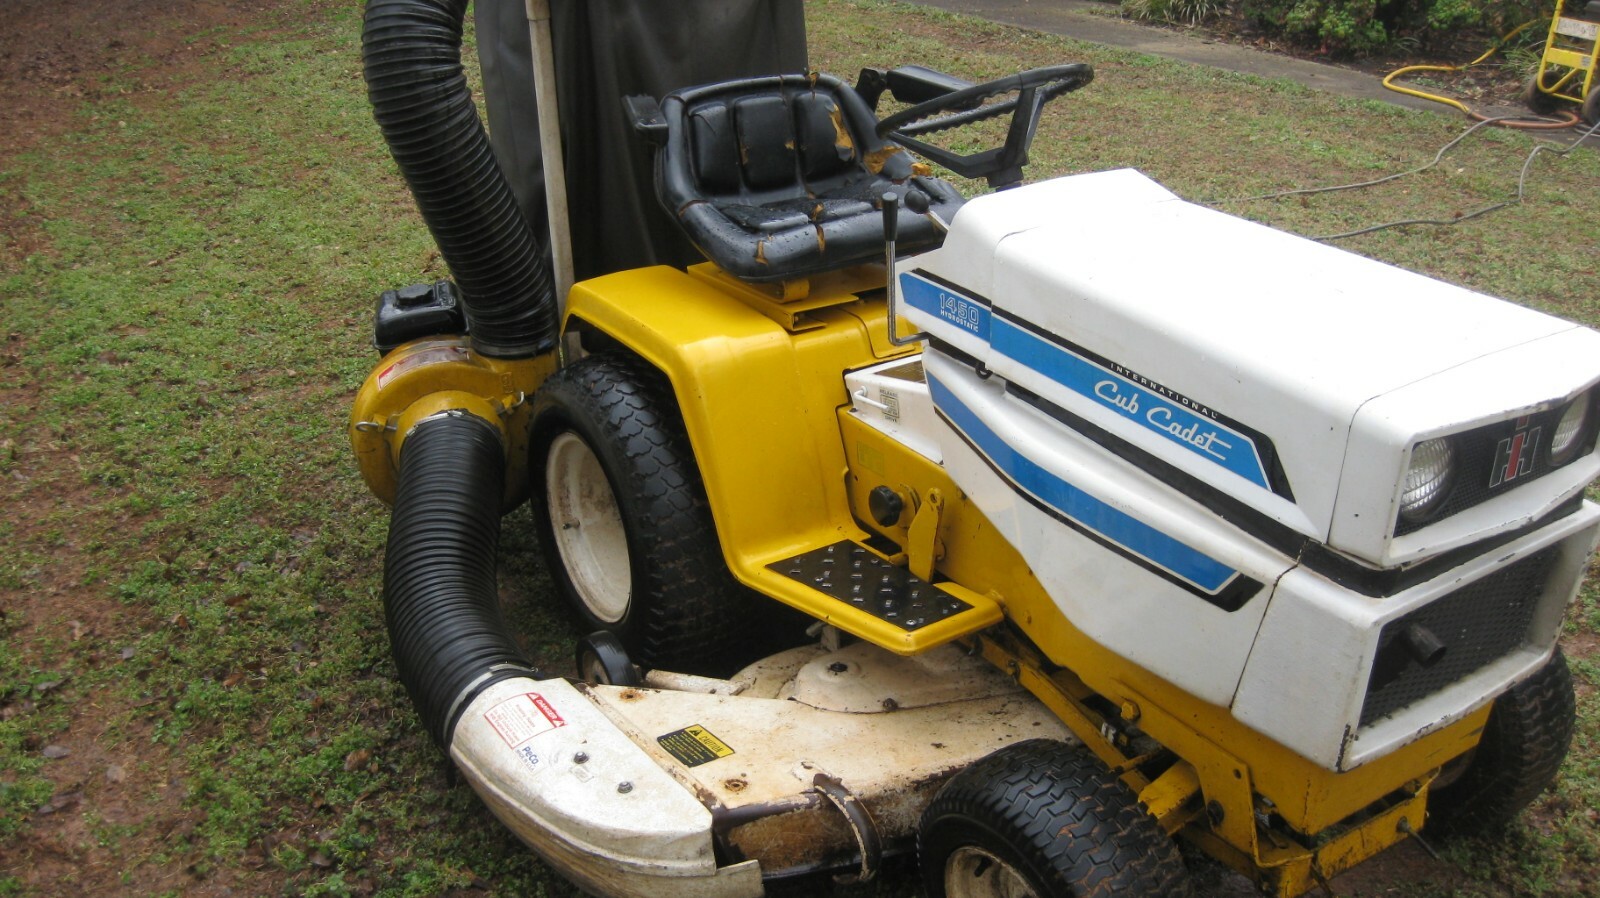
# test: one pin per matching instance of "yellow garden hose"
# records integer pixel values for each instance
(1526, 124)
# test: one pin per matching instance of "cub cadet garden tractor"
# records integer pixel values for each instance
(1115, 519)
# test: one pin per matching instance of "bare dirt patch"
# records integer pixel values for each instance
(117, 819)
(57, 54)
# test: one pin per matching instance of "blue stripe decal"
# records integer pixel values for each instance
(1092, 515)
(961, 311)
(1209, 439)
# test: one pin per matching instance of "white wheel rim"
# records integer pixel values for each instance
(971, 872)
(588, 528)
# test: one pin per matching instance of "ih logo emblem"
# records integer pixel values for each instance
(1514, 457)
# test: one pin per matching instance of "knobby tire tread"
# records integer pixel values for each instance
(1522, 747)
(1075, 830)
(687, 609)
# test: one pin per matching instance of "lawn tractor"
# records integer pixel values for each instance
(1029, 533)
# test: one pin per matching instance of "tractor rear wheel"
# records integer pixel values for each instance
(623, 517)
(1043, 819)
(1522, 747)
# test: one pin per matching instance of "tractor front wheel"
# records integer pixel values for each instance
(1522, 747)
(1043, 819)
(623, 517)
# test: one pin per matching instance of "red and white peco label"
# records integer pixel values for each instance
(522, 717)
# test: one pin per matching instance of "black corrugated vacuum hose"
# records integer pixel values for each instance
(411, 55)
(439, 593)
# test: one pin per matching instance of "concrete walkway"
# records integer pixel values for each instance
(1088, 20)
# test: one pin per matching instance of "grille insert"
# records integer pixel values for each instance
(1478, 624)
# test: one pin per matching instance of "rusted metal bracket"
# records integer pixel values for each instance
(855, 813)
(922, 540)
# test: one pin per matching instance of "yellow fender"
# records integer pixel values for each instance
(758, 399)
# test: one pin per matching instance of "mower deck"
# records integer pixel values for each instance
(809, 760)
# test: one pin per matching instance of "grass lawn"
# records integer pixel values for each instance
(196, 693)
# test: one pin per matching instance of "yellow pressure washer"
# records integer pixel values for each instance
(1566, 70)
(1536, 99)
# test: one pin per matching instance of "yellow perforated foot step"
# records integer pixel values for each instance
(855, 589)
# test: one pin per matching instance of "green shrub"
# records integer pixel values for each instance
(1360, 27)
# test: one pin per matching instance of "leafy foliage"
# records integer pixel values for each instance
(1190, 12)
(1356, 27)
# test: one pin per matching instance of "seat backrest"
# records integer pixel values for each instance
(781, 177)
(767, 146)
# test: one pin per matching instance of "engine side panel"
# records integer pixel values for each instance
(1137, 567)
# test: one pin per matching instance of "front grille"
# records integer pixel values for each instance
(1477, 624)
(1491, 461)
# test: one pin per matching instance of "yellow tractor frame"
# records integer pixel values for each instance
(770, 355)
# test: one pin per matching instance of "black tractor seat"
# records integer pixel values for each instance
(782, 177)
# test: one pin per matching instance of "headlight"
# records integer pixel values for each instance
(1570, 431)
(1433, 466)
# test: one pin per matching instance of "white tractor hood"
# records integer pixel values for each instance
(1236, 353)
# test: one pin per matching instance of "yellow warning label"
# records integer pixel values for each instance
(870, 457)
(694, 745)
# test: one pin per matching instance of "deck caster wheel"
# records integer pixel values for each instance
(623, 517)
(603, 660)
(1043, 819)
(1522, 747)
